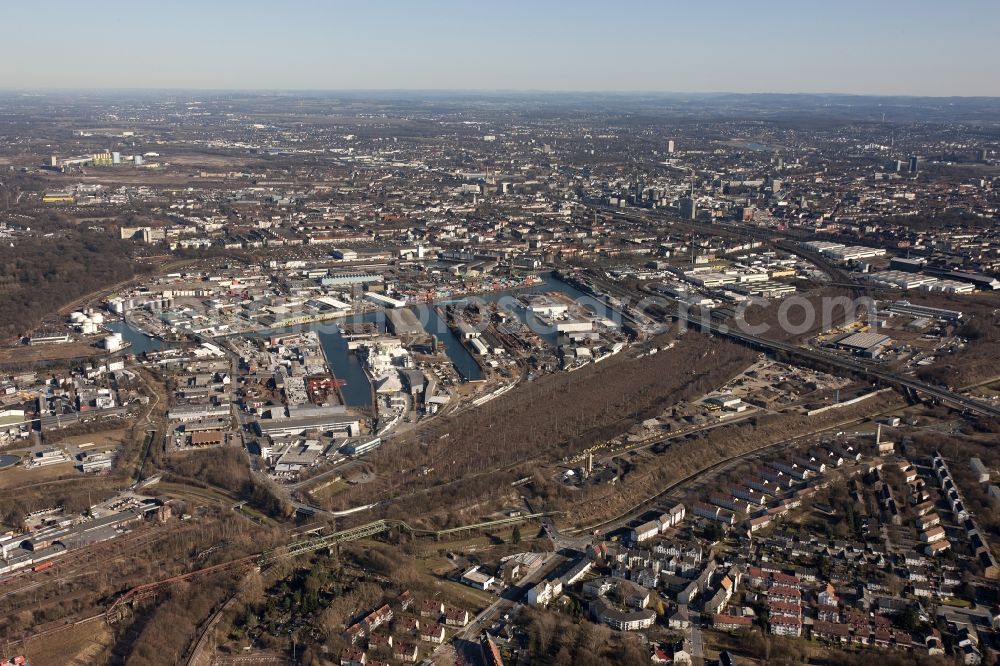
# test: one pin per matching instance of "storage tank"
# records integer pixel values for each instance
(77, 317)
(88, 328)
(97, 318)
(113, 342)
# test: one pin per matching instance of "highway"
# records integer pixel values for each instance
(944, 395)
(870, 371)
(939, 393)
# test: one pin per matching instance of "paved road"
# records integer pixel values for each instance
(466, 641)
(694, 636)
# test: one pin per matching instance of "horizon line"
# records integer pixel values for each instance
(489, 91)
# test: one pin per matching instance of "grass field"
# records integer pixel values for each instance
(432, 564)
(210, 497)
(432, 569)
(200, 495)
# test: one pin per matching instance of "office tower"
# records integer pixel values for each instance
(670, 146)
(688, 208)
(914, 161)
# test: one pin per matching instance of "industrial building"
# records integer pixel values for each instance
(868, 344)
(403, 322)
(347, 279)
(912, 310)
(360, 446)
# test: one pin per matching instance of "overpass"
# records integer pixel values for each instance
(315, 543)
(119, 607)
(939, 393)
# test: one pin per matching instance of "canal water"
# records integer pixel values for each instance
(463, 359)
(344, 364)
(139, 342)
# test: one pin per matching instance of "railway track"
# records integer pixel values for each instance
(77, 563)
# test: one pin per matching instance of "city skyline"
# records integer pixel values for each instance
(912, 49)
(383, 376)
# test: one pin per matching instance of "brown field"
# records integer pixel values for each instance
(98, 439)
(25, 354)
(80, 645)
(18, 476)
(227, 162)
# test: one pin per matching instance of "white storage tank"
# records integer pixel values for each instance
(113, 342)
(77, 317)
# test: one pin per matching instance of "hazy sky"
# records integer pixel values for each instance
(917, 47)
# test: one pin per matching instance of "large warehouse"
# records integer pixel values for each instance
(868, 344)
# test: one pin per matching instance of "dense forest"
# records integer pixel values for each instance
(40, 274)
(557, 640)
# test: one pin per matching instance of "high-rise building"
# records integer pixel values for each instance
(914, 163)
(688, 208)
(981, 154)
(670, 146)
